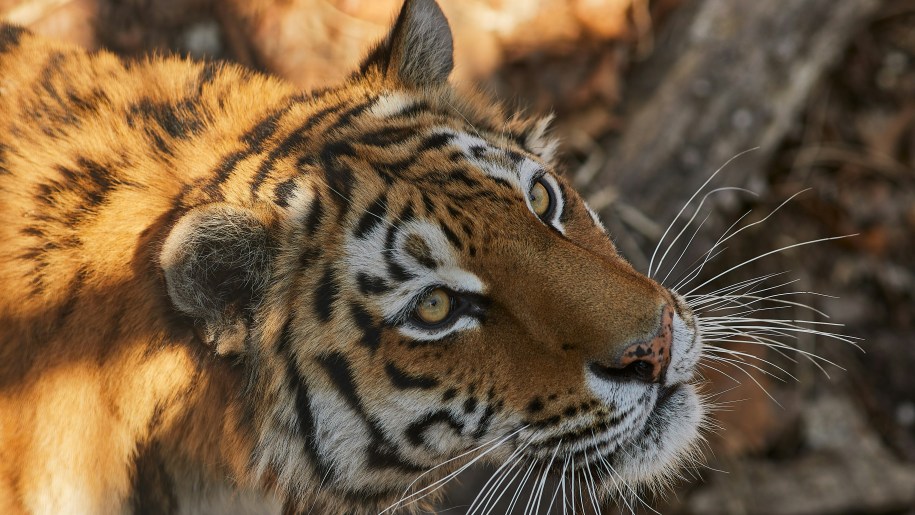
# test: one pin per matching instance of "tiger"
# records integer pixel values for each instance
(219, 290)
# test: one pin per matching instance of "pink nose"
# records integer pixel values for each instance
(643, 361)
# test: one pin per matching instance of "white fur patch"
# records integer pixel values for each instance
(685, 351)
(298, 204)
(596, 218)
(391, 104)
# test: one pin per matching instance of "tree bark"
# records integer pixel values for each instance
(726, 76)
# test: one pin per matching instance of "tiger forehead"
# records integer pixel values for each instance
(398, 118)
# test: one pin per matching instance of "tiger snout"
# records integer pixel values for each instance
(644, 360)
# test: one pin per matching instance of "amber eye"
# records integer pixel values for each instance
(541, 198)
(435, 307)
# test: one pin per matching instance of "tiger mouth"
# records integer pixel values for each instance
(593, 444)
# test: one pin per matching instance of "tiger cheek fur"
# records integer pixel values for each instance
(223, 289)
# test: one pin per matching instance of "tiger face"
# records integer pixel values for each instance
(214, 282)
(422, 287)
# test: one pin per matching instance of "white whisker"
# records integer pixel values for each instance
(704, 184)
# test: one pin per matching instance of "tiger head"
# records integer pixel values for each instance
(415, 286)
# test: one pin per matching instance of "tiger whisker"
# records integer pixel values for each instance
(698, 299)
(689, 222)
(546, 472)
(685, 248)
(441, 482)
(519, 490)
(736, 364)
(688, 202)
(494, 499)
(766, 254)
(742, 357)
(484, 493)
(592, 494)
(560, 486)
(738, 231)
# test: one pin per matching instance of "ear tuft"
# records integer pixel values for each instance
(538, 141)
(216, 262)
(418, 51)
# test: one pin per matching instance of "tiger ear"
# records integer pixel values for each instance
(216, 262)
(418, 51)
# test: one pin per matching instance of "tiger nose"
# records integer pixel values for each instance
(645, 360)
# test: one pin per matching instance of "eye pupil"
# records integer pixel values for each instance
(434, 307)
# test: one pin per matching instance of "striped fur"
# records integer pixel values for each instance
(208, 281)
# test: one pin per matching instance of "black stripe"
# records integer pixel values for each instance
(265, 128)
(428, 204)
(325, 294)
(339, 176)
(3, 159)
(372, 216)
(371, 332)
(413, 110)
(406, 214)
(514, 156)
(435, 142)
(369, 284)
(304, 414)
(206, 75)
(396, 168)
(350, 113)
(395, 270)
(283, 191)
(179, 120)
(502, 182)
(10, 37)
(286, 147)
(315, 213)
(414, 432)
(404, 381)
(467, 228)
(388, 136)
(224, 170)
(479, 151)
(309, 255)
(254, 140)
(485, 421)
(341, 374)
(452, 237)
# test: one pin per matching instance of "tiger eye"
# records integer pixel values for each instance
(435, 307)
(540, 198)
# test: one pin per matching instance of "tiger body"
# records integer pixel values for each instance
(208, 279)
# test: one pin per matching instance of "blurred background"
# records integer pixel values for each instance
(652, 97)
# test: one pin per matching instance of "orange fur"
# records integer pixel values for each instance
(124, 386)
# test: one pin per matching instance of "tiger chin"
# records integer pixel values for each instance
(218, 291)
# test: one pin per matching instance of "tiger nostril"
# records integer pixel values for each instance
(635, 371)
(644, 361)
(642, 370)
